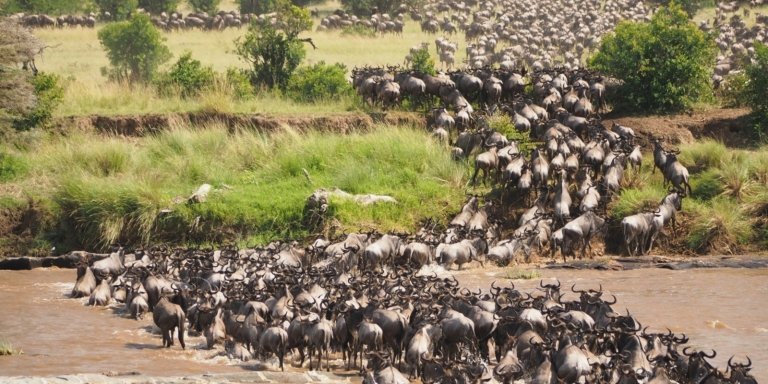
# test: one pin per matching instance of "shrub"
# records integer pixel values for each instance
(366, 7)
(318, 82)
(503, 124)
(707, 185)
(704, 154)
(732, 90)
(756, 91)
(422, 62)
(119, 9)
(156, 7)
(258, 7)
(49, 93)
(135, 49)
(275, 52)
(665, 64)
(187, 75)
(239, 82)
(207, 6)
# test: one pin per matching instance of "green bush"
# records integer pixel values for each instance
(365, 7)
(707, 185)
(665, 64)
(240, 83)
(503, 124)
(720, 227)
(119, 9)
(135, 49)
(207, 6)
(275, 52)
(422, 62)
(49, 93)
(318, 82)
(258, 7)
(756, 91)
(156, 7)
(187, 75)
(732, 90)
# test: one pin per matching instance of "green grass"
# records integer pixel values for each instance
(109, 190)
(719, 227)
(704, 154)
(75, 54)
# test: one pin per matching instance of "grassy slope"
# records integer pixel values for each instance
(727, 212)
(102, 190)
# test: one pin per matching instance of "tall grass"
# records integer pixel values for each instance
(704, 154)
(720, 227)
(7, 349)
(113, 190)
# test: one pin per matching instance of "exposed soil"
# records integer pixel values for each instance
(730, 126)
(142, 125)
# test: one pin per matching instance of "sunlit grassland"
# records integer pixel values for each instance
(75, 53)
(105, 190)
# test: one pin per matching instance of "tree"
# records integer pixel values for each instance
(156, 7)
(275, 51)
(756, 90)
(258, 7)
(422, 62)
(135, 49)
(367, 7)
(207, 6)
(18, 47)
(665, 64)
(118, 9)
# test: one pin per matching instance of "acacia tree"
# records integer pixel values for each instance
(275, 51)
(665, 64)
(135, 49)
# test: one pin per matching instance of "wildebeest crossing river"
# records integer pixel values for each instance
(723, 309)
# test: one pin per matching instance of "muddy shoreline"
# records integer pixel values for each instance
(607, 263)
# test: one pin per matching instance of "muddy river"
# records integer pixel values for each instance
(724, 309)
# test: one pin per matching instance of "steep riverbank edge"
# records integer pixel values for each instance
(606, 263)
(137, 378)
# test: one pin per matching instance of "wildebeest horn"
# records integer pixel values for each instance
(714, 353)
(573, 289)
(685, 351)
(613, 302)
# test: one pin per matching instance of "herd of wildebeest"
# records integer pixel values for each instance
(369, 297)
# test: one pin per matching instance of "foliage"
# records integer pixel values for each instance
(11, 166)
(49, 93)
(503, 124)
(689, 6)
(318, 82)
(119, 9)
(422, 62)
(156, 7)
(756, 91)
(207, 6)
(135, 49)
(732, 90)
(52, 7)
(17, 46)
(720, 227)
(258, 7)
(274, 52)
(239, 82)
(366, 7)
(665, 64)
(187, 75)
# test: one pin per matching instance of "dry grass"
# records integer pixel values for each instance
(76, 54)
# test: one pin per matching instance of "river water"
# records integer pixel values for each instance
(724, 309)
